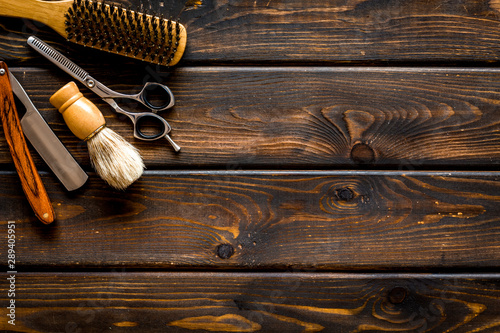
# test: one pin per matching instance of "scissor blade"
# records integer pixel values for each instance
(47, 144)
(58, 59)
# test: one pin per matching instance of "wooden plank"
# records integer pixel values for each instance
(344, 31)
(303, 117)
(231, 302)
(328, 31)
(265, 220)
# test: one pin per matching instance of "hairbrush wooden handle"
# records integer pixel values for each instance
(50, 13)
(83, 118)
(30, 179)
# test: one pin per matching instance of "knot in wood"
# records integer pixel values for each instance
(362, 153)
(344, 194)
(397, 295)
(225, 251)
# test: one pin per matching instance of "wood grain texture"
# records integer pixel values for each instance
(303, 117)
(266, 220)
(46, 12)
(230, 302)
(343, 31)
(331, 31)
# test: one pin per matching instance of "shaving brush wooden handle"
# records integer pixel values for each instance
(83, 118)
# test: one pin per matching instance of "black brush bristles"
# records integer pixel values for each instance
(124, 31)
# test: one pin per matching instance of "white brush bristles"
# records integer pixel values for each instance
(115, 160)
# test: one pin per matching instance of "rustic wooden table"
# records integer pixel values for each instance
(338, 173)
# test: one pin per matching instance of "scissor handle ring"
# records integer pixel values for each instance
(167, 103)
(139, 123)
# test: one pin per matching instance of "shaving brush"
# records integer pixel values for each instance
(115, 160)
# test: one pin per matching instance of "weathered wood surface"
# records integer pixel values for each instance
(265, 220)
(303, 117)
(230, 302)
(243, 105)
(331, 31)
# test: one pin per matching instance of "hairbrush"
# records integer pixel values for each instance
(106, 27)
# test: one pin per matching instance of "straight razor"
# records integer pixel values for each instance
(47, 144)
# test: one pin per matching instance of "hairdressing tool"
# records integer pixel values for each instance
(114, 159)
(139, 119)
(46, 143)
(30, 179)
(106, 27)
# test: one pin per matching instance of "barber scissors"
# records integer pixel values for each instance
(141, 120)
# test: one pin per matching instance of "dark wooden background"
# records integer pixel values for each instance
(338, 173)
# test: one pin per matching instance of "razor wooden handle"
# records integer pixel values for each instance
(30, 179)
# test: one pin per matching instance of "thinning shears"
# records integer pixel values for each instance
(141, 120)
